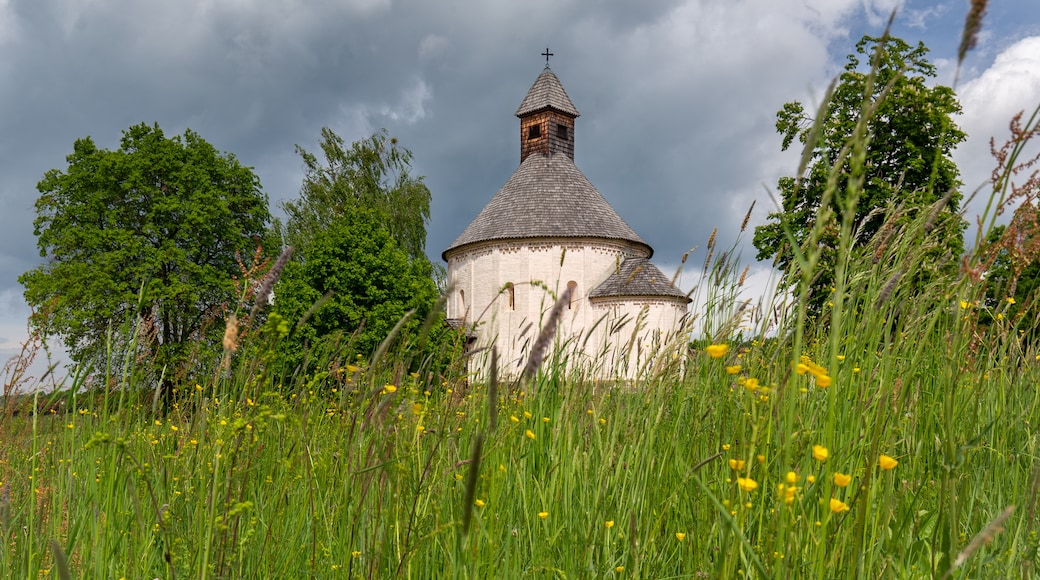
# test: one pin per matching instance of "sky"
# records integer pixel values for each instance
(678, 97)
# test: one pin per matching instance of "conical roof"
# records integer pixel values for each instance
(637, 277)
(547, 93)
(547, 197)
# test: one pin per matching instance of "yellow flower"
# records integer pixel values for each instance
(389, 389)
(820, 453)
(355, 554)
(602, 421)
(736, 464)
(841, 479)
(838, 506)
(352, 369)
(1010, 300)
(529, 434)
(791, 477)
(887, 462)
(716, 350)
(823, 381)
(761, 458)
(480, 503)
(789, 494)
(543, 515)
(619, 569)
(680, 536)
(964, 304)
(609, 523)
(514, 419)
(801, 369)
(841, 357)
(733, 369)
(810, 478)
(545, 419)
(527, 415)
(747, 484)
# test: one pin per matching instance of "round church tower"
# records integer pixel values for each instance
(548, 229)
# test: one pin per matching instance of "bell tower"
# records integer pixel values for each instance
(547, 117)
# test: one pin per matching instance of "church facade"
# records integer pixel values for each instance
(548, 229)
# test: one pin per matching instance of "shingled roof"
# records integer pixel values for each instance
(547, 93)
(547, 197)
(637, 277)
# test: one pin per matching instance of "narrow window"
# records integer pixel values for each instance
(561, 132)
(511, 293)
(462, 296)
(573, 287)
(534, 131)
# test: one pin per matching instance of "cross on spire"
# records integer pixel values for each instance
(547, 54)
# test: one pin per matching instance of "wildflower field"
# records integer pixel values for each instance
(894, 436)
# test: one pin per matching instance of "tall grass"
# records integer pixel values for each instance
(898, 439)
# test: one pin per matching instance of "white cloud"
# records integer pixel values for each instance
(989, 101)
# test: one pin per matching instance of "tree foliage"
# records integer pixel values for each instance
(373, 173)
(152, 228)
(909, 138)
(353, 283)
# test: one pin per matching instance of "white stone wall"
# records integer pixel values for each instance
(593, 333)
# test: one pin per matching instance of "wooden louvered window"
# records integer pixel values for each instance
(561, 132)
(534, 131)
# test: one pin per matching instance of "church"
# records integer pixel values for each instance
(548, 229)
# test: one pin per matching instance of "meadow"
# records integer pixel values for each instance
(896, 436)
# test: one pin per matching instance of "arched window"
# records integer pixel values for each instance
(573, 287)
(511, 295)
(462, 297)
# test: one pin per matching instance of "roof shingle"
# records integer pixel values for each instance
(547, 93)
(547, 197)
(637, 277)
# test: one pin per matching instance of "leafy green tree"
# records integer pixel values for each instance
(373, 173)
(910, 136)
(154, 229)
(353, 283)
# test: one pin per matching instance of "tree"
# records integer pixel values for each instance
(368, 281)
(373, 173)
(153, 229)
(910, 136)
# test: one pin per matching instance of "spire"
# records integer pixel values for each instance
(547, 117)
(547, 93)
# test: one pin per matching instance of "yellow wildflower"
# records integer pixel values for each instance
(841, 479)
(733, 369)
(823, 381)
(736, 464)
(791, 477)
(887, 462)
(820, 453)
(529, 434)
(543, 515)
(747, 484)
(480, 503)
(680, 536)
(609, 523)
(838, 506)
(716, 350)
(387, 389)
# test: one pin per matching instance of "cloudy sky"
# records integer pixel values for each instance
(678, 97)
